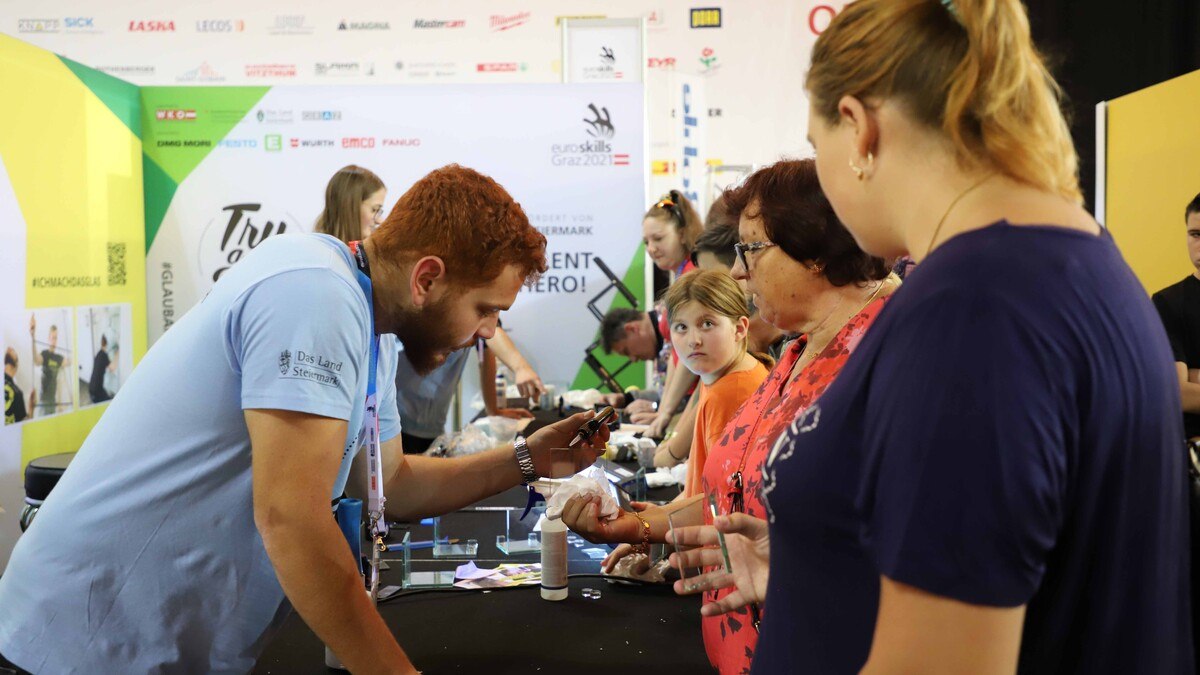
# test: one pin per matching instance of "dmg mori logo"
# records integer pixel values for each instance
(234, 232)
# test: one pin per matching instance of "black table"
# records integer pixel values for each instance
(514, 630)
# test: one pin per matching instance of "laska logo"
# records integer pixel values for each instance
(439, 23)
(174, 115)
(220, 26)
(360, 142)
(363, 25)
(499, 22)
(152, 26)
(235, 232)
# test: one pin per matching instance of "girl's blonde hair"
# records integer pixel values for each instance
(967, 68)
(344, 195)
(717, 292)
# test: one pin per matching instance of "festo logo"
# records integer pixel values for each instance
(358, 142)
(220, 26)
(500, 22)
(152, 26)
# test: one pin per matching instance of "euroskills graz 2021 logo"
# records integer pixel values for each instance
(595, 148)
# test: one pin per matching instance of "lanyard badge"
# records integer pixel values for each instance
(369, 434)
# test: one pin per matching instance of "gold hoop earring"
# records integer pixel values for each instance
(858, 170)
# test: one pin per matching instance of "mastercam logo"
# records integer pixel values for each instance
(426, 24)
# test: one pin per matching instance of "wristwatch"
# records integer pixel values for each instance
(524, 460)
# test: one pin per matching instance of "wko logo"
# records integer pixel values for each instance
(152, 26)
(174, 115)
(597, 150)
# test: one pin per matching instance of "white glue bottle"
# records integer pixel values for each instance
(554, 559)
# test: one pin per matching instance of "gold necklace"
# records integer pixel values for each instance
(804, 359)
(937, 230)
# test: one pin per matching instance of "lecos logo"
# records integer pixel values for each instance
(237, 230)
(594, 150)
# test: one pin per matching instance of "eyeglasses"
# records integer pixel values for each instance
(740, 250)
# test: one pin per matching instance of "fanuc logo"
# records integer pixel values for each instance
(594, 149)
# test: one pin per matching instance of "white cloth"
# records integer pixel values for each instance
(588, 483)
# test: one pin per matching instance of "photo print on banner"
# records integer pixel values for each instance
(105, 362)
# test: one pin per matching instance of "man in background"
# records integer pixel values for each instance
(51, 362)
(1179, 307)
(14, 398)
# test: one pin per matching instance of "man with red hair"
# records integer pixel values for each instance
(185, 521)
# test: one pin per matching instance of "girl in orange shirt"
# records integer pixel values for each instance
(709, 320)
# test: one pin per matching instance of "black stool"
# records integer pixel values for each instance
(41, 475)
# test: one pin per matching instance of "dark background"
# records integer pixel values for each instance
(1102, 49)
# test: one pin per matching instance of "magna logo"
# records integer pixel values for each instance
(152, 26)
(174, 115)
(358, 142)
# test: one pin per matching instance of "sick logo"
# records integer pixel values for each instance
(285, 361)
(602, 126)
(606, 55)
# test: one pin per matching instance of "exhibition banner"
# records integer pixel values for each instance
(72, 309)
(229, 167)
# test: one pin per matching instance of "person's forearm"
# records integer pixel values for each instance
(506, 351)
(686, 511)
(429, 486)
(318, 576)
(1190, 392)
(487, 381)
(680, 380)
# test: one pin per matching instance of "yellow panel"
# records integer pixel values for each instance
(1153, 172)
(76, 170)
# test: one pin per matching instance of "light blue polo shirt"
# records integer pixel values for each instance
(145, 558)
